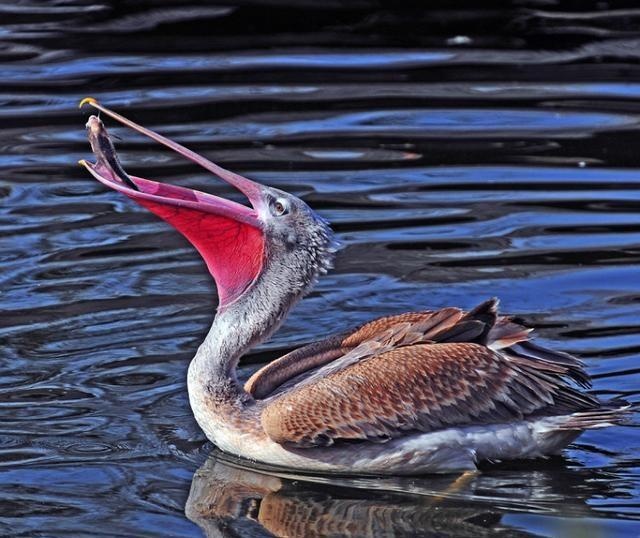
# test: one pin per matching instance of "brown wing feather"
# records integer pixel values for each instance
(410, 327)
(269, 377)
(416, 371)
(423, 387)
(372, 329)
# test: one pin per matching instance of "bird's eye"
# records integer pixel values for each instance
(280, 208)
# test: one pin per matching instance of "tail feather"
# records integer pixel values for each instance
(607, 415)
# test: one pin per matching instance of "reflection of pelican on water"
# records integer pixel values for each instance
(227, 499)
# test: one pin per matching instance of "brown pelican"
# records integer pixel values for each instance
(428, 391)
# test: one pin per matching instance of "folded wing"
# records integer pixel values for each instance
(442, 369)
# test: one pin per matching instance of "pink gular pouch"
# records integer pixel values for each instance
(228, 235)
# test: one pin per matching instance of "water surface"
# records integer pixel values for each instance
(459, 154)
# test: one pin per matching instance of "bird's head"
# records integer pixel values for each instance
(278, 242)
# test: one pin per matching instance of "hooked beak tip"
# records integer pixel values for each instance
(88, 100)
(84, 163)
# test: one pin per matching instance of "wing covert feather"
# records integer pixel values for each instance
(423, 387)
(409, 327)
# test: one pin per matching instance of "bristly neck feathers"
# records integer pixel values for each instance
(290, 271)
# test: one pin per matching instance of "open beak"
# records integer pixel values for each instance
(228, 235)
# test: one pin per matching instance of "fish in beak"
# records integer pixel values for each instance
(229, 236)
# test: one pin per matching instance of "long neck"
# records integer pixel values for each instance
(236, 329)
(289, 271)
(231, 335)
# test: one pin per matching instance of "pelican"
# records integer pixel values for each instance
(420, 392)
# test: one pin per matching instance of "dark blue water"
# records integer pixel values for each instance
(459, 154)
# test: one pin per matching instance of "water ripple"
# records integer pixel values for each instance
(458, 153)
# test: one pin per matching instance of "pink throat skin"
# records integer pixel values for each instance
(228, 235)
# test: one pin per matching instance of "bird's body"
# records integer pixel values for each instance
(447, 450)
(349, 403)
(427, 391)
